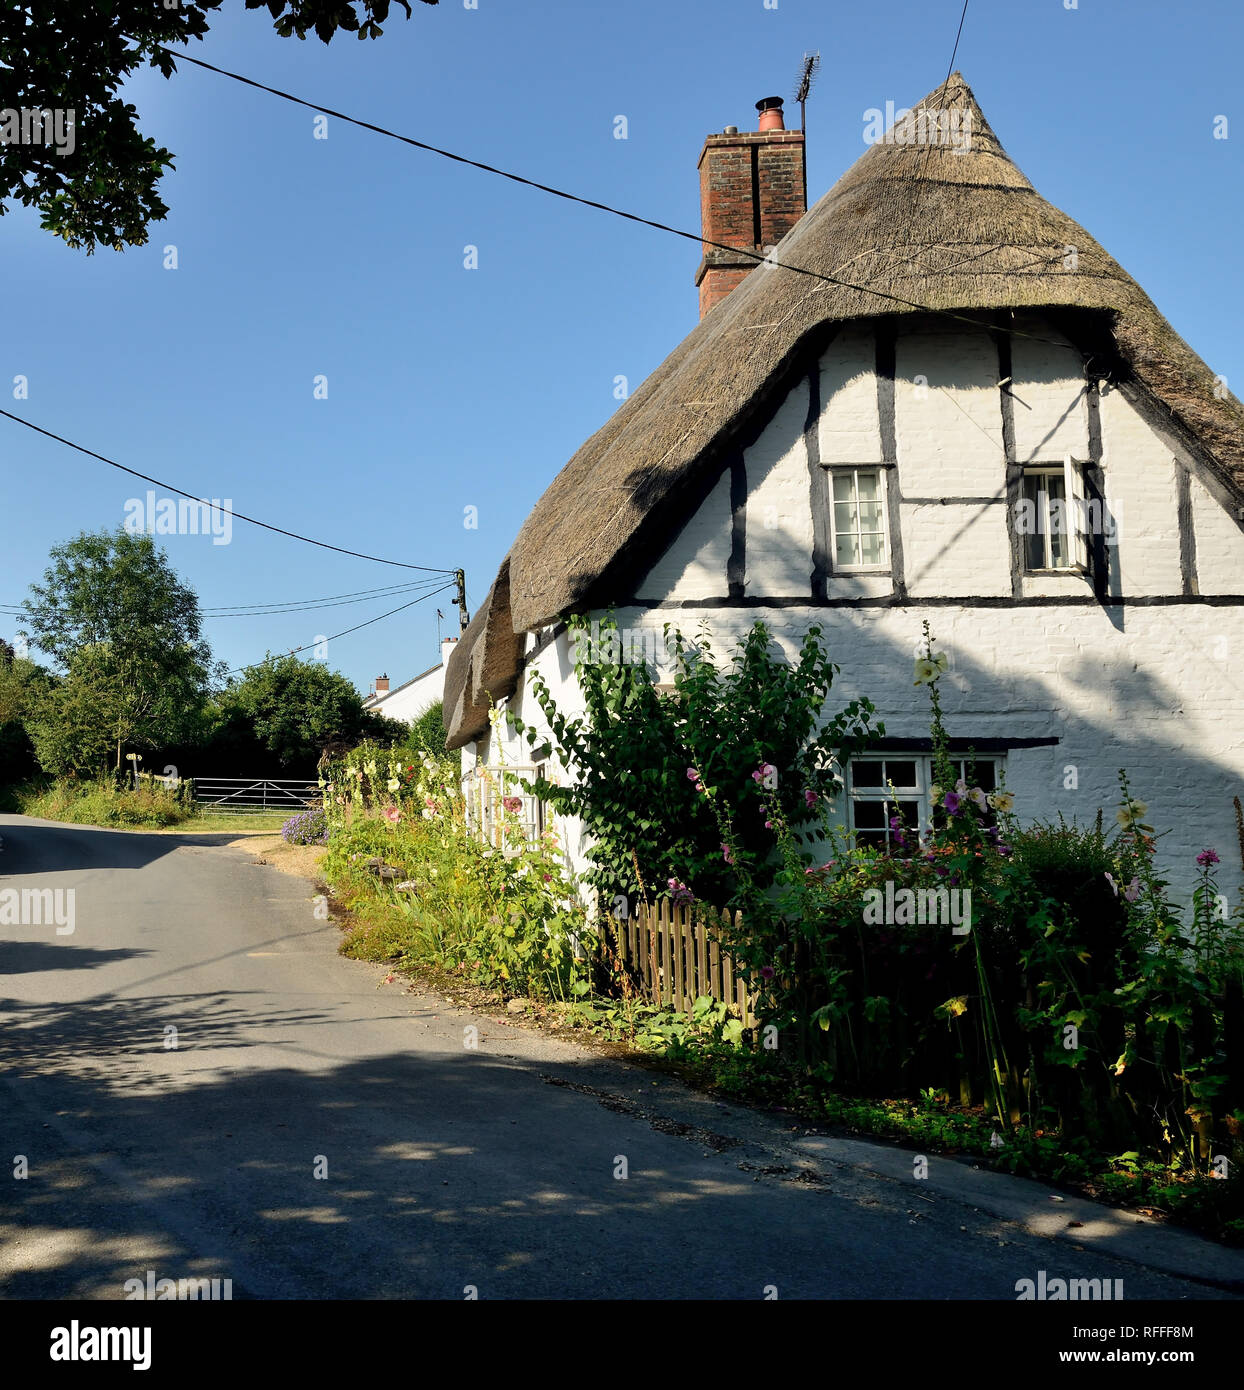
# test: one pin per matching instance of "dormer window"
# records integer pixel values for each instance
(859, 519)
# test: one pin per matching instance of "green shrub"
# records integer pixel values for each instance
(103, 802)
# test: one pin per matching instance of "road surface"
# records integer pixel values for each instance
(318, 1133)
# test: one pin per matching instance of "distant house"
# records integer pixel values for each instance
(408, 701)
(889, 439)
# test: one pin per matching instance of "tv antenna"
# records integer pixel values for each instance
(807, 75)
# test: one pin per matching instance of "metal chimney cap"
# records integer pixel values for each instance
(769, 104)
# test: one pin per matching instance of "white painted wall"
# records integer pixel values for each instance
(411, 699)
(1152, 689)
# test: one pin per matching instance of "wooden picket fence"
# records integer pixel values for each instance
(675, 956)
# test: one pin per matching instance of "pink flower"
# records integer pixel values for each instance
(692, 775)
(767, 972)
(1206, 858)
(1132, 891)
(809, 798)
(726, 853)
(392, 815)
(512, 803)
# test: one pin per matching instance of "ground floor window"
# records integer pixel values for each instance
(882, 787)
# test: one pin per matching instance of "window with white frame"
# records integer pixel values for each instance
(858, 518)
(888, 786)
(1050, 517)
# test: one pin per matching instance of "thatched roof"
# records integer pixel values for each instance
(909, 225)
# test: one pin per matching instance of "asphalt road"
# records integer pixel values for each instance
(318, 1133)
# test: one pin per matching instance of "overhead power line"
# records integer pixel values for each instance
(759, 257)
(358, 627)
(240, 516)
(265, 610)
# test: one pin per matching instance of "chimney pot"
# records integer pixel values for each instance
(731, 130)
(770, 109)
(382, 685)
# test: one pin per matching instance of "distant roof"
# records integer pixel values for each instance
(377, 698)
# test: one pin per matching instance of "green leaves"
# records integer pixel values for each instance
(99, 189)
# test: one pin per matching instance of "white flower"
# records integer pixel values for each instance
(370, 767)
(1001, 801)
(393, 784)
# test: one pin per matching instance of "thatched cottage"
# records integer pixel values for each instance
(884, 424)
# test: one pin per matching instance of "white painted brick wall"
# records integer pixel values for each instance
(1219, 544)
(956, 549)
(1047, 399)
(849, 431)
(779, 513)
(1140, 488)
(949, 433)
(695, 564)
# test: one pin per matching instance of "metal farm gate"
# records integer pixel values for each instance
(248, 794)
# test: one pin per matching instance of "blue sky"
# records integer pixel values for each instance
(451, 388)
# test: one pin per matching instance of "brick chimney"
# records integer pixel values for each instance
(752, 193)
(382, 685)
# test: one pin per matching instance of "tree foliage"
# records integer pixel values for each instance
(126, 633)
(100, 188)
(634, 750)
(296, 708)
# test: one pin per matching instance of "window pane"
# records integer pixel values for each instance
(1047, 542)
(869, 815)
(901, 774)
(870, 516)
(847, 550)
(866, 773)
(872, 550)
(845, 516)
(844, 489)
(868, 484)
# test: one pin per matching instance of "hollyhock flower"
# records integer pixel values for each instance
(1114, 887)
(1206, 858)
(512, 803)
(726, 853)
(393, 784)
(1001, 801)
(692, 775)
(809, 798)
(1132, 891)
(392, 815)
(979, 797)
(1131, 814)
(952, 803)
(767, 972)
